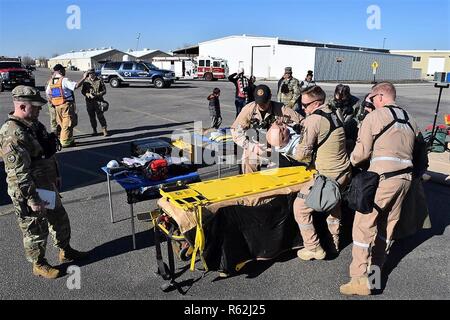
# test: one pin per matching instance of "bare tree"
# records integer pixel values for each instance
(27, 60)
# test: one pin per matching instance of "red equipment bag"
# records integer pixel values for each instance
(157, 169)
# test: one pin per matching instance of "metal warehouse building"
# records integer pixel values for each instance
(86, 59)
(266, 57)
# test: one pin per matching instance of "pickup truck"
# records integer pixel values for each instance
(123, 72)
(13, 73)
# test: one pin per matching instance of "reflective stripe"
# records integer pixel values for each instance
(306, 226)
(333, 221)
(406, 161)
(362, 245)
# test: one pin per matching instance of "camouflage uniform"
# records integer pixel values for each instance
(289, 99)
(94, 90)
(27, 169)
(53, 123)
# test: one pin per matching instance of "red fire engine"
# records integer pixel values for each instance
(211, 68)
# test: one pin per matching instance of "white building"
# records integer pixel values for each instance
(86, 59)
(266, 58)
(147, 54)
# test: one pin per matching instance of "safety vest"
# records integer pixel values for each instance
(57, 92)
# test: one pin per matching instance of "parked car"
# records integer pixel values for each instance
(13, 73)
(117, 73)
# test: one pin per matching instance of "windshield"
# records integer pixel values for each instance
(10, 64)
(151, 66)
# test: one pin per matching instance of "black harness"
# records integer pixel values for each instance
(334, 121)
(396, 120)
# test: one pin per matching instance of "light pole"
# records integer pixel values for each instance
(384, 42)
(137, 44)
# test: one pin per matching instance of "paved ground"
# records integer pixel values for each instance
(420, 267)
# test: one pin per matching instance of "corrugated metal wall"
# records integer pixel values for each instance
(356, 65)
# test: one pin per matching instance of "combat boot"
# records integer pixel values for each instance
(105, 132)
(317, 254)
(356, 286)
(68, 255)
(94, 132)
(43, 269)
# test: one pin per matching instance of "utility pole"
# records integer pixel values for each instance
(137, 44)
(384, 42)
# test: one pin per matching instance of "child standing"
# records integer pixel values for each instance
(214, 108)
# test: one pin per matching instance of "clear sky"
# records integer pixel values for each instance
(38, 28)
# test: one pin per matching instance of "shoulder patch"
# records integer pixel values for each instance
(11, 158)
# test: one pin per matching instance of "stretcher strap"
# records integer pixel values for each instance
(199, 240)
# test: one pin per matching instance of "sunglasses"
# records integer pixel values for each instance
(306, 105)
(373, 97)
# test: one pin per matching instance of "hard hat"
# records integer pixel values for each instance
(112, 164)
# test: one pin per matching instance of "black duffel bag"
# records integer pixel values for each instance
(360, 195)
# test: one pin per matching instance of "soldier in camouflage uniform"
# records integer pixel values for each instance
(94, 89)
(28, 153)
(288, 89)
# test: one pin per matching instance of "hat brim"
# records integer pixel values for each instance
(38, 103)
(261, 100)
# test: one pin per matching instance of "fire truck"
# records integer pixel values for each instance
(206, 67)
(211, 68)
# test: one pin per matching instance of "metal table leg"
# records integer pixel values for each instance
(133, 233)
(110, 198)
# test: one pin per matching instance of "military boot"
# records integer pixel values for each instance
(94, 132)
(356, 286)
(317, 254)
(68, 255)
(105, 132)
(43, 269)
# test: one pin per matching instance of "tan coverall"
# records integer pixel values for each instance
(392, 151)
(66, 113)
(331, 161)
(250, 160)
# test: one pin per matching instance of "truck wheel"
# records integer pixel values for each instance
(1, 88)
(159, 83)
(209, 76)
(114, 82)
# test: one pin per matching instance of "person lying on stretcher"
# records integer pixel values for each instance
(284, 139)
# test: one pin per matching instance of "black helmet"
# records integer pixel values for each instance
(59, 67)
(103, 105)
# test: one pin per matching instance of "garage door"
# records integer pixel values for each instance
(435, 64)
(261, 62)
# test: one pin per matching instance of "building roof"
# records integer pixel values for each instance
(140, 53)
(194, 49)
(422, 51)
(329, 45)
(83, 54)
(191, 50)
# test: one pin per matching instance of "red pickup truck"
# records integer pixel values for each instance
(13, 73)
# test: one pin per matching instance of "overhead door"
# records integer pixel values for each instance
(261, 62)
(435, 64)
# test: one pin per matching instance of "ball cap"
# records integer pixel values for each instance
(288, 70)
(262, 94)
(28, 94)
